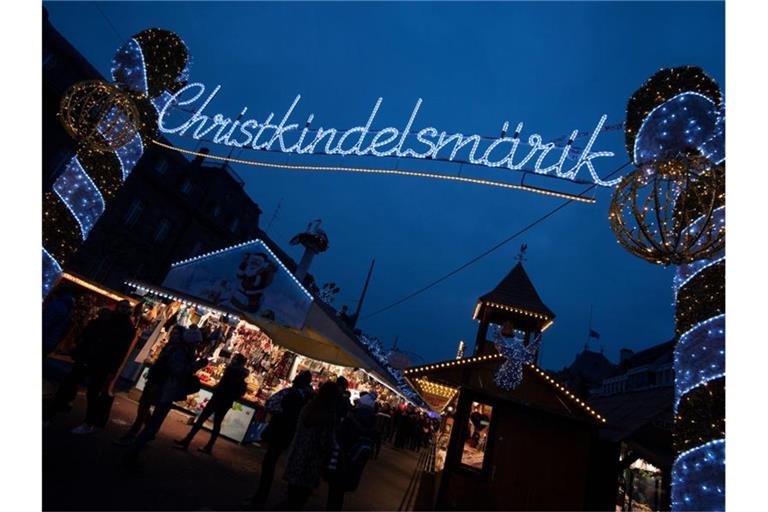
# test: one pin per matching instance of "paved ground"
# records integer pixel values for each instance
(84, 473)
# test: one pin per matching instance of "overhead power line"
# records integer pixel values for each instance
(488, 251)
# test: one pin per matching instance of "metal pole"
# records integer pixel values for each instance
(362, 295)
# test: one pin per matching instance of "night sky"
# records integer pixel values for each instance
(554, 66)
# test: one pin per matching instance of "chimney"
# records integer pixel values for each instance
(625, 354)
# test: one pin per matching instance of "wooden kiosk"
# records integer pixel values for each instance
(534, 447)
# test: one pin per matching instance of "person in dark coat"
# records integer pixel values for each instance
(182, 365)
(155, 378)
(311, 448)
(383, 427)
(231, 387)
(356, 437)
(344, 405)
(279, 434)
(98, 356)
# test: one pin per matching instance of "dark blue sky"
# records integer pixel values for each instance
(554, 66)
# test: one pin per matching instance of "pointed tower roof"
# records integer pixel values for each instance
(517, 294)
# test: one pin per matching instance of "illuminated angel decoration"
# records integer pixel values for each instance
(516, 355)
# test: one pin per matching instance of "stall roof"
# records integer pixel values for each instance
(538, 389)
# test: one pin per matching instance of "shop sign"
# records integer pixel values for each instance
(248, 278)
(508, 152)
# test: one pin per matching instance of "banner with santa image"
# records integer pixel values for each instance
(247, 277)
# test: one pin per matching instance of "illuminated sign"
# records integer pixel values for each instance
(427, 143)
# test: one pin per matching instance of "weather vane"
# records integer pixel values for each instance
(521, 255)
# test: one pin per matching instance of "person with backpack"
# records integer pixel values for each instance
(231, 387)
(180, 382)
(356, 439)
(285, 407)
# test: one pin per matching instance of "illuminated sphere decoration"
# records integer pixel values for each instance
(688, 120)
(669, 212)
(98, 115)
(152, 61)
(663, 86)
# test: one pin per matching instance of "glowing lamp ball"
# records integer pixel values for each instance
(152, 62)
(666, 212)
(663, 91)
(98, 115)
(688, 121)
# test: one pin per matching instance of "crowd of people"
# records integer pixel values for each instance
(323, 435)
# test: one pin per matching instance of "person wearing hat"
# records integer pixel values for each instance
(356, 437)
(179, 382)
(280, 431)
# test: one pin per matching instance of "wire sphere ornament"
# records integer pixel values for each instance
(99, 115)
(671, 212)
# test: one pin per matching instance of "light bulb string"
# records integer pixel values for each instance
(371, 170)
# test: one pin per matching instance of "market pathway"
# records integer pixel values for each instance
(82, 472)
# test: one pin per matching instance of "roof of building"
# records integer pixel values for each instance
(661, 353)
(517, 290)
(538, 389)
(591, 366)
(632, 416)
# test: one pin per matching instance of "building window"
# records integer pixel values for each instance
(186, 187)
(134, 212)
(234, 225)
(163, 228)
(477, 435)
(161, 166)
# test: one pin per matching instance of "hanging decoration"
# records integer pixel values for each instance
(516, 354)
(664, 211)
(108, 122)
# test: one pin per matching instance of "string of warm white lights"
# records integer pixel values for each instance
(437, 389)
(517, 310)
(371, 170)
(539, 371)
(567, 393)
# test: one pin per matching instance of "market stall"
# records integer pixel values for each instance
(271, 366)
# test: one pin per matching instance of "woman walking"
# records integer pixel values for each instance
(311, 448)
